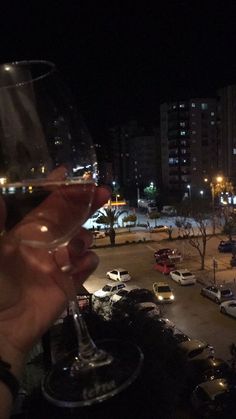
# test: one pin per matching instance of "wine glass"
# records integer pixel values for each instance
(46, 153)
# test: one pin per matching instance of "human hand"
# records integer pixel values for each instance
(33, 287)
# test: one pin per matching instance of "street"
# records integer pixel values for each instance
(193, 314)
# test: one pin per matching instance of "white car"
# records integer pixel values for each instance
(98, 234)
(118, 295)
(229, 307)
(183, 276)
(119, 274)
(108, 290)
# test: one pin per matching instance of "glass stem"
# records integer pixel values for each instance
(86, 345)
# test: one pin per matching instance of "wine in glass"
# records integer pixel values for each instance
(46, 153)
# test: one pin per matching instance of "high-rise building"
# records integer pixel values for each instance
(227, 131)
(189, 148)
(136, 157)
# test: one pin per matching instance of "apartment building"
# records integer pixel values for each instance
(189, 145)
(136, 157)
(227, 131)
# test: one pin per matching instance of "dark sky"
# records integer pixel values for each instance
(123, 60)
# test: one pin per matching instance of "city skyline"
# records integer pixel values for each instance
(123, 62)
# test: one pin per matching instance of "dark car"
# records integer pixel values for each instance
(227, 246)
(215, 398)
(200, 370)
(162, 254)
(217, 293)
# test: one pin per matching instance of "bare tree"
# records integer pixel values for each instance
(197, 236)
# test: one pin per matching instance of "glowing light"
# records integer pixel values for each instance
(3, 180)
(7, 68)
(44, 229)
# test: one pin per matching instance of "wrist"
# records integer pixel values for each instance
(14, 357)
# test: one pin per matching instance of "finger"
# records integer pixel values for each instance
(85, 266)
(101, 196)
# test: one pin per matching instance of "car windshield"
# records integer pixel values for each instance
(186, 274)
(225, 292)
(107, 288)
(164, 288)
(124, 273)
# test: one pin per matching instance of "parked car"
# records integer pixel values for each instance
(99, 234)
(158, 228)
(228, 307)
(118, 295)
(119, 274)
(215, 398)
(217, 293)
(226, 246)
(164, 267)
(163, 292)
(200, 370)
(162, 253)
(183, 277)
(196, 349)
(180, 336)
(108, 290)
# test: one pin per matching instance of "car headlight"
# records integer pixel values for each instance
(172, 297)
(160, 297)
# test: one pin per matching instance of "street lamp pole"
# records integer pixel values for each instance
(189, 192)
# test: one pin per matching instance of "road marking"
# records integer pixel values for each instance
(150, 247)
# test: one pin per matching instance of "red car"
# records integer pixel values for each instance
(164, 267)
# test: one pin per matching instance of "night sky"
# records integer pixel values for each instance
(123, 60)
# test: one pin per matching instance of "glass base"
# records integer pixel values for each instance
(96, 384)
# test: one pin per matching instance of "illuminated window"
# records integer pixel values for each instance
(182, 124)
(182, 105)
(204, 106)
(193, 105)
(234, 150)
(212, 113)
(212, 122)
(193, 132)
(182, 132)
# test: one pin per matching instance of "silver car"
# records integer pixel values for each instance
(218, 294)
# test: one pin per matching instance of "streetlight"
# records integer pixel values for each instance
(215, 187)
(201, 193)
(189, 192)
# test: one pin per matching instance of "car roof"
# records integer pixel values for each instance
(161, 284)
(114, 284)
(182, 270)
(118, 269)
(214, 387)
(188, 345)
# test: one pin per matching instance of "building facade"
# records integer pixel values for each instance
(227, 131)
(136, 157)
(189, 144)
